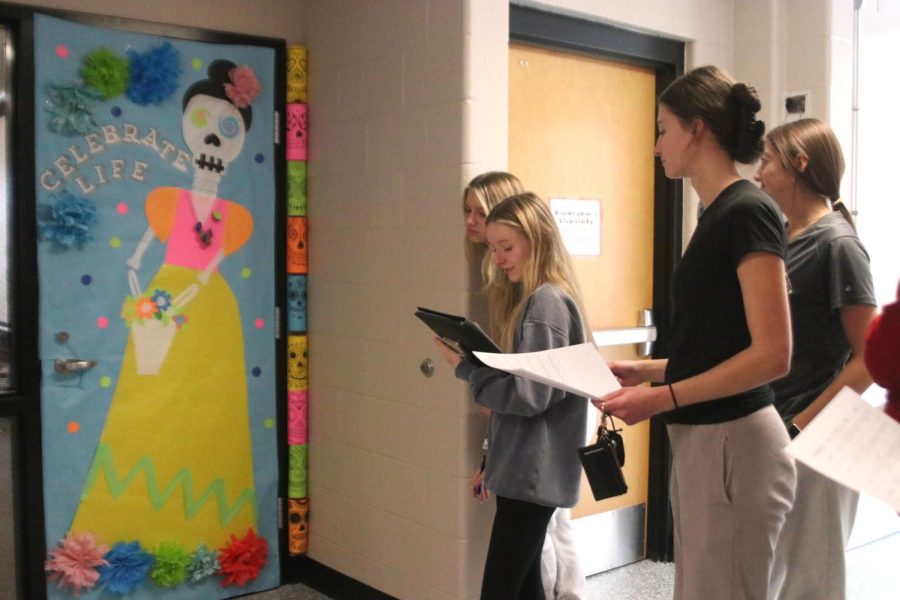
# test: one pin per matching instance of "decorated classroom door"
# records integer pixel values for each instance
(155, 162)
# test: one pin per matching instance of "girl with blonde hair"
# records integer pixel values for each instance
(482, 194)
(534, 431)
(561, 570)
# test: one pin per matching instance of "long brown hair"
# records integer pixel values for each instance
(548, 262)
(815, 141)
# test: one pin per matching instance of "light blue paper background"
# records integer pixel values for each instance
(67, 304)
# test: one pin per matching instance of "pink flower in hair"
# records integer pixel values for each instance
(244, 86)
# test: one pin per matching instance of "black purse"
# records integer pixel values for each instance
(603, 461)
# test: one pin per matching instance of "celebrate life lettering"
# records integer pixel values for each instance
(66, 164)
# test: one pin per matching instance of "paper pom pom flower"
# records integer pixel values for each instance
(105, 72)
(243, 559)
(244, 86)
(153, 75)
(127, 565)
(75, 561)
(171, 566)
(68, 221)
(71, 109)
(204, 563)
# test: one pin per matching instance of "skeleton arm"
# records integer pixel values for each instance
(134, 262)
(203, 276)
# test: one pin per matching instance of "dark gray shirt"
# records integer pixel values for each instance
(535, 430)
(828, 269)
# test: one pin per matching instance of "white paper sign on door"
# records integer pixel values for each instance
(579, 224)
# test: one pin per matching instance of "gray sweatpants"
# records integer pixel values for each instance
(732, 484)
(809, 558)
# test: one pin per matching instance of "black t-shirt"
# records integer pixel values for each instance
(708, 321)
(828, 269)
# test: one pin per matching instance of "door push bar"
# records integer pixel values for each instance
(643, 335)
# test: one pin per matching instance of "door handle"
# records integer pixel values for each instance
(643, 335)
(73, 365)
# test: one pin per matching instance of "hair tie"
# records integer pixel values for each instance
(244, 86)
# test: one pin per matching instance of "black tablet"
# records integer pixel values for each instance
(463, 335)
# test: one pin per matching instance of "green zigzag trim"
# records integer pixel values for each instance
(103, 460)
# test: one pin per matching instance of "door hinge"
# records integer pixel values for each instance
(280, 512)
(277, 322)
(277, 128)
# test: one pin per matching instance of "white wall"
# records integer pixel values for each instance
(879, 89)
(394, 92)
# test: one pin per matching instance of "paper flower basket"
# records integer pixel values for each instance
(154, 318)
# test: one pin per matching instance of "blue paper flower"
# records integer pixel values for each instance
(71, 108)
(153, 74)
(128, 567)
(163, 300)
(68, 220)
(204, 563)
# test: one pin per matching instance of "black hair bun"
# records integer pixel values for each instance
(218, 72)
(743, 103)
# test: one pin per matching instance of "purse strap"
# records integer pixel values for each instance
(607, 423)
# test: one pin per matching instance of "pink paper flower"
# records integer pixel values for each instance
(244, 86)
(74, 562)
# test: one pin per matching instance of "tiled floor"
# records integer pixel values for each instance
(873, 574)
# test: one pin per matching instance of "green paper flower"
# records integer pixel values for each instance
(106, 72)
(171, 566)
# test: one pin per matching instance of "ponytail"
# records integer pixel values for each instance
(839, 206)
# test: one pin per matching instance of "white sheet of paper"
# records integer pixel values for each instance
(578, 369)
(855, 444)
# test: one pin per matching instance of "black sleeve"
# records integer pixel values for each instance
(755, 226)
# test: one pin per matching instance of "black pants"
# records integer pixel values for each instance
(513, 567)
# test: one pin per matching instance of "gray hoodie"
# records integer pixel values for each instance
(534, 430)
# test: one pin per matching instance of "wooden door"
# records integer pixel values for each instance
(581, 127)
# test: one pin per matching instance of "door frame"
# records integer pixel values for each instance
(665, 57)
(22, 403)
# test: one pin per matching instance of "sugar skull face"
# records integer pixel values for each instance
(296, 293)
(297, 362)
(297, 121)
(214, 131)
(298, 521)
(296, 303)
(296, 245)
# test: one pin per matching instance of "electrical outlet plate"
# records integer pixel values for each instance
(796, 105)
